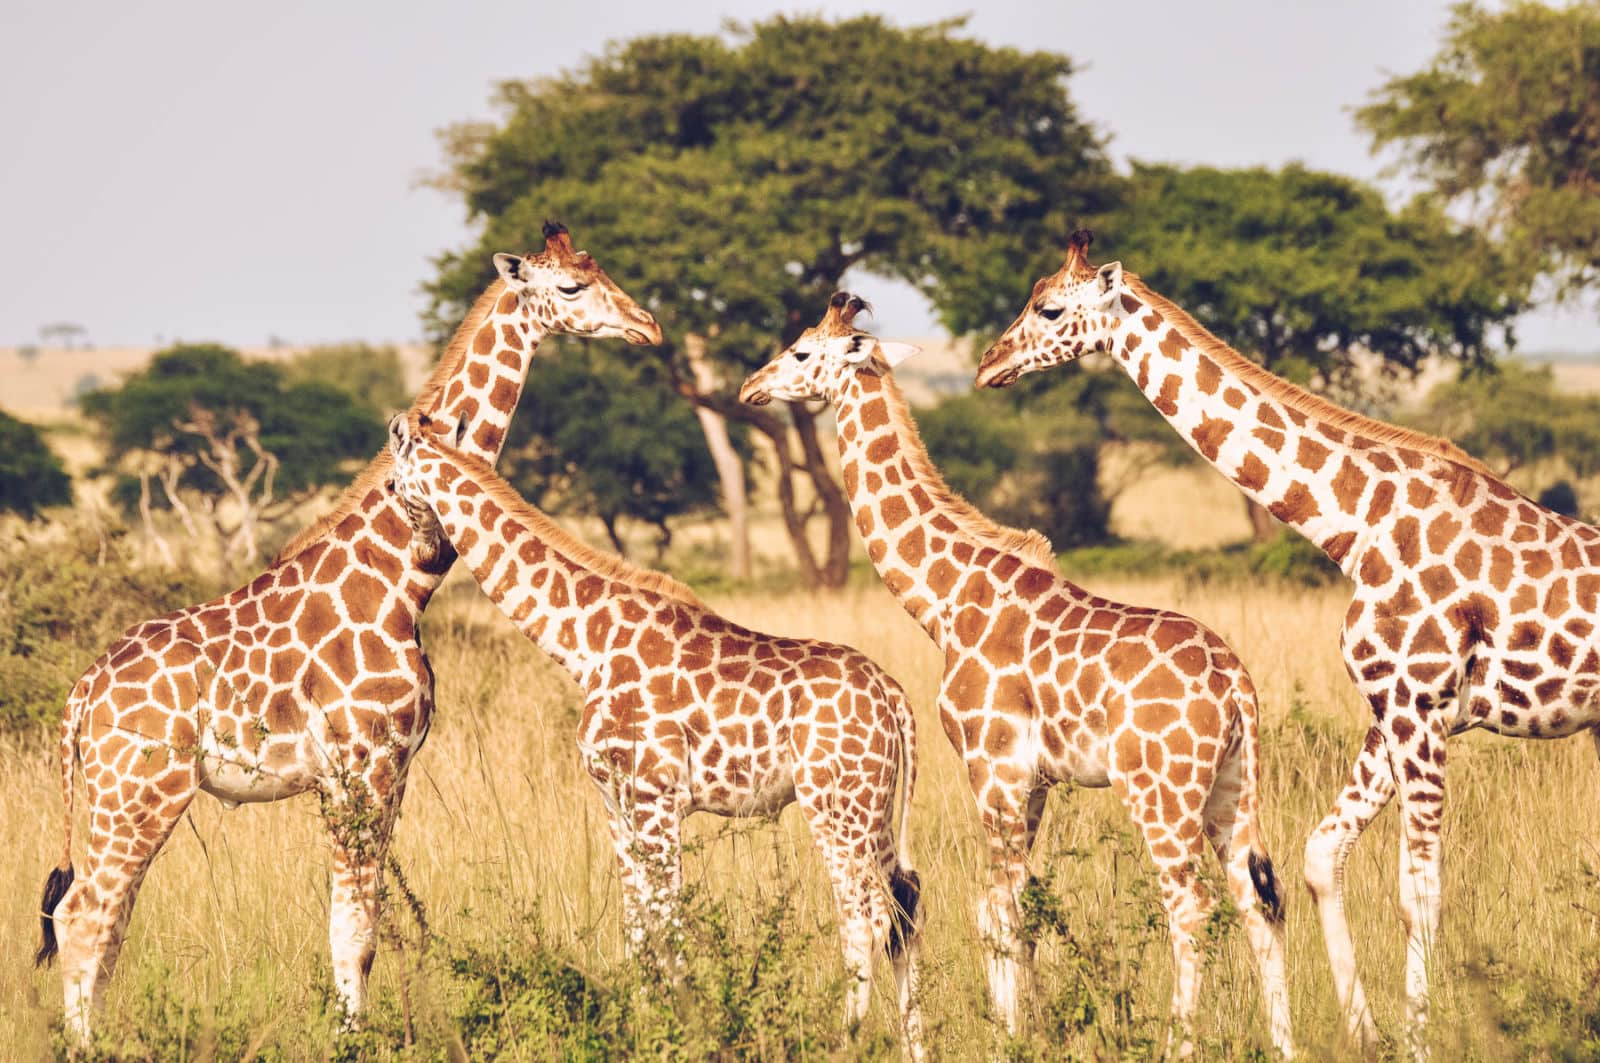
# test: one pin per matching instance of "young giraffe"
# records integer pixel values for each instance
(310, 677)
(686, 711)
(1473, 607)
(1044, 682)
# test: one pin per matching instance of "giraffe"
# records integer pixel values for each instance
(1473, 606)
(311, 677)
(686, 711)
(1045, 682)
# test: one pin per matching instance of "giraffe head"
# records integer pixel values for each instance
(564, 290)
(409, 472)
(1072, 312)
(817, 365)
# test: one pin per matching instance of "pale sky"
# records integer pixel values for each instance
(210, 169)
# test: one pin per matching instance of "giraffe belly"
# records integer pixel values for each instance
(238, 776)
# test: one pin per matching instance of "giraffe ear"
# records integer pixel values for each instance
(461, 432)
(854, 349)
(399, 434)
(1108, 282)
(510, 268)
(895, 353)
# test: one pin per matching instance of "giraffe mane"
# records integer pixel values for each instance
(377, 470)
(1029, 544)
(1293, 395)
(557, 538)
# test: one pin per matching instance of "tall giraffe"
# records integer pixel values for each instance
(1045, 682)
(686, 711)
(311, 676)
(1473, 606)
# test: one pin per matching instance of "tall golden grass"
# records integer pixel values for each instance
(500, 819)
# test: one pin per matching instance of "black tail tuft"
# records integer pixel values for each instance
(1266, 883)
(905, 887)
(55, 888)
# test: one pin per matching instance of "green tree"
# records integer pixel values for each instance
(1301, 270)
(31, 476)
(1515, 417)
(1506, 120)
(371, 375)
(603, 436)
(1037, 464)
(734, 180)
(229, 443)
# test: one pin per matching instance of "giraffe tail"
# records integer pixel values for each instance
(905, 885)
(60, 878)
(1262, 876)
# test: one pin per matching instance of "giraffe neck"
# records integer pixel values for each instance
(924, 542)
(480, 377)
(529, 581)
(485, 384)
(1326, 483)
(566, 596)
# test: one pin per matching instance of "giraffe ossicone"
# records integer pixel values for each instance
(687, 711)
(1045, 682)
(308, 678)
(1473, 606)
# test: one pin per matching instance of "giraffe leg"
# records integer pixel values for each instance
(646, 829)
(1010, 822)
(1176, 848)
(1417, 763)
(355, 897)
(132, 812)
(1369, 789)
(1231, 834)
(907, 960)
(855, 873)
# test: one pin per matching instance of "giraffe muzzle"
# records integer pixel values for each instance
(996, 374)
(645, 333)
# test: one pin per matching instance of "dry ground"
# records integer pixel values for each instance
(499, 818)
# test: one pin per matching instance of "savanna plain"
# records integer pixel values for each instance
(502, 928)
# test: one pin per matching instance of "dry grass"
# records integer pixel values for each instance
(500, 819)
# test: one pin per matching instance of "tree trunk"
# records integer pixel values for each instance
(835, 506)
(730, 470)
(1263, 526)
(794, 522)
(609, 522)
(776, 430)
(149, 519)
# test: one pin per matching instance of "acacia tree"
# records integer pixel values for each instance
(1505, 120)
(1305, 271)
(225, 444)
(735, 179)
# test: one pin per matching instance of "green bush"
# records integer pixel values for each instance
(1030, 472)
(63, 597)
(1289, 557)
(31, 476)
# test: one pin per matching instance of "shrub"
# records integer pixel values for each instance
(31, 475)
(64, 595)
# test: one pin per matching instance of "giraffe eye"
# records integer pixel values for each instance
(570, 289)
(801, 356)
(1049, 313)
